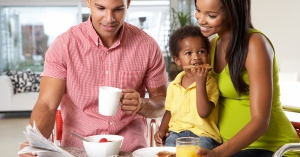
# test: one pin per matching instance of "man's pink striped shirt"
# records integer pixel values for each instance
(79, 57)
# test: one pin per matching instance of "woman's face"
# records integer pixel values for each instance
(211, 17)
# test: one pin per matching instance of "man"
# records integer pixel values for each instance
(104, 50)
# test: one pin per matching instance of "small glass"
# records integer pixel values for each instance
(187, 147)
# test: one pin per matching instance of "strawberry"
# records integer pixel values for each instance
(103, 140)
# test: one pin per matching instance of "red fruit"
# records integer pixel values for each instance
(103, 140)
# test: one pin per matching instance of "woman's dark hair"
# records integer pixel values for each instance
(182, 33)
(239, 17)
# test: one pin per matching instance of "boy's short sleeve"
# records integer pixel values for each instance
(169, 97)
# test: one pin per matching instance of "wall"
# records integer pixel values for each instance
(280, 21)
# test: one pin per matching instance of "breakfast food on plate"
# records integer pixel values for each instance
(194, 67)
(166, 154)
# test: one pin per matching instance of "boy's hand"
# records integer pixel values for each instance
(201, 74)
(158, 137)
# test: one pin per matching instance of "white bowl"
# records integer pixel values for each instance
(103, 149)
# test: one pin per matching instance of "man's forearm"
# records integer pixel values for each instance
(44, 119)
(153, 107)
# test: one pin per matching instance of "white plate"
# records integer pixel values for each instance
(152, 151)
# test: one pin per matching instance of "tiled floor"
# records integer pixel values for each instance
(12, 126)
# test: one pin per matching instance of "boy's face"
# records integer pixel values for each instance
(192, 52)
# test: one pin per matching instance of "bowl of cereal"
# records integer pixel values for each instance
(102, 145)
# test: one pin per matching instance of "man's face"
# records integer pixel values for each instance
(108, 16)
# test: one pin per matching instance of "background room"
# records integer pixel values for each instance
(28, 27)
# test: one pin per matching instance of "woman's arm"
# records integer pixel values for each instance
(259, 65)
(155, 103)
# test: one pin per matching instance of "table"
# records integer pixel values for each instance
(80, 152)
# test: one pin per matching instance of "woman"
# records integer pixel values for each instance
(251, 119)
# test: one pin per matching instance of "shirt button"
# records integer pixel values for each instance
(110, 123)
(106, 52)
(106, 72)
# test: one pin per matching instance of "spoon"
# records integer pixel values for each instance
(73, 133)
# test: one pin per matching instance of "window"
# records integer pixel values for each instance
(28, 31)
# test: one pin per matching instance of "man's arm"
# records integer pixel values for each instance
(43, 113)
(154, 106)
(151, 107)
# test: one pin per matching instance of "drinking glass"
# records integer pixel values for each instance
(187, 146)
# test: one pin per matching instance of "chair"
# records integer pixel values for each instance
(154, 125)
(296, 125)
(58, 127)
(285, 148)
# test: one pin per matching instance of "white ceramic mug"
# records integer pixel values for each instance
(109, 99)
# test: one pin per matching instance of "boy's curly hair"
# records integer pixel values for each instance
(182, 33)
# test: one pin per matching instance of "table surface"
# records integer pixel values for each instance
(80, 152)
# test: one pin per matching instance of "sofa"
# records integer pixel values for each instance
(19, 90)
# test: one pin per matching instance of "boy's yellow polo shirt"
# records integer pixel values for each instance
(181, 102)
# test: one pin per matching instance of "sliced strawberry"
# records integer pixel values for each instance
(103, 140)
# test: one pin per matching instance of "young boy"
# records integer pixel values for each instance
(192, 97)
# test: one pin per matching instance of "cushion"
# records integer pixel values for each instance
(24, 81)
